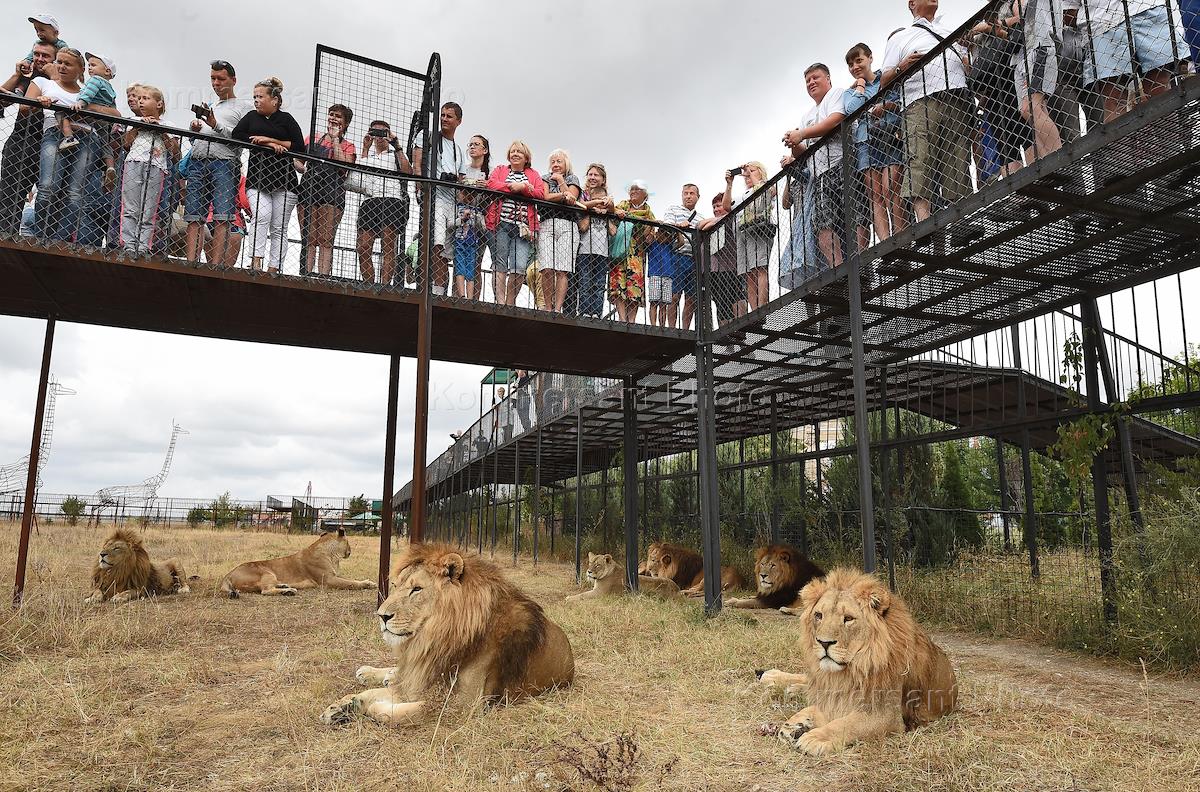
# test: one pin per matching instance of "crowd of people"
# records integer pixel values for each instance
(1031, 76)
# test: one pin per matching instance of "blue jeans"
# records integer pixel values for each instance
(211, 183)
(801, 259)
(97, 207)
(591, 273)
(61, 177)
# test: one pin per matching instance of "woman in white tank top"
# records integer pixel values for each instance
(61, 173)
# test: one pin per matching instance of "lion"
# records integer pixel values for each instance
(606, 575)
(125, 572)
(871, 671)
(315, 565)
(456, 627)
(782, 571)
(686, 568)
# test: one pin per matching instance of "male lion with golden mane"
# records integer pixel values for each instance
(782, 571)
(125, 572)
(455, 625)
(871, 670)
(315, 565)
(686, 568)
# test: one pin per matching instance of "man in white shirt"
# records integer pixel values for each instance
(939, 113)
(683, 274)
(452, 166)
(826, 162)
(1113, 60)
(383, 214)
(214, 169)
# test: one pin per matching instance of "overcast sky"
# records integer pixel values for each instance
(666, 91)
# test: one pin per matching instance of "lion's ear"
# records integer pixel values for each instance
(785, 556)
(875, 596)
(607, 556)
(453, 566)
(664, 559)
(591, 556)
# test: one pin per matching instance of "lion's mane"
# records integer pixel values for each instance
(793, 571)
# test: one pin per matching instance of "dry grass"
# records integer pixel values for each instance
(205, 693)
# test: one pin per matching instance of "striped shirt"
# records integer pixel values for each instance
(512, 211)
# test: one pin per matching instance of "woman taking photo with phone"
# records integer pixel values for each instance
(321, 200)
(756, 226)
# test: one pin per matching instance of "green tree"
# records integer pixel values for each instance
(965, 527)
(197, 515)
(73, 507)
(357, 505)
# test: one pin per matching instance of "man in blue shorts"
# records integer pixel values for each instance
(683, 268)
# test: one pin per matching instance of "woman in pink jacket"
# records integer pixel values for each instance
(513, 222)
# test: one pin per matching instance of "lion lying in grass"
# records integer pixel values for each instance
(686, 568)
(609, 581)
(315, 565)
(455, 626)
(871, 671)
(782, 571)
(125, 572)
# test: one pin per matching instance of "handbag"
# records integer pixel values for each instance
(618, 246)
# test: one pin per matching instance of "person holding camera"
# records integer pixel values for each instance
(214, 169)
(19, 161)
(321, 200)
(383, 215)
(452, 167)
(756, 227)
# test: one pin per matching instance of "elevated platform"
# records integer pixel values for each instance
(243, 305)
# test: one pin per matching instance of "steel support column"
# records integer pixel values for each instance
(774, 470)
(885, 479)
(389, 476)
(35, 447)
(1030, 528)
(1108, 589)
(1002, 478)
(707, 466)
(578, 490)
(862, 424)
(629, 454)
(516, 499)
(536, 504)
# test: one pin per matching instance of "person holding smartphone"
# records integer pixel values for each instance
(19, 163)
(321, 199)
(214, 169)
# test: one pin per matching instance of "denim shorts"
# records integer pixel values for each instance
(211, 182)
(1151, 47)
(512, 252)
(683, 277)
(879, 151)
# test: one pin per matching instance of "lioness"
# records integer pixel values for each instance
(871, 670)
(125, 572)
(782, 571)
(455, 624)
(315, 565)
(686, 568)
(609, 580)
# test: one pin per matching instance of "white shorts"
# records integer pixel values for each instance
(658, 289)
(1035, 71)
(557, 243)
(445, 218)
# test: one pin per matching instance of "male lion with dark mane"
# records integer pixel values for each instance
(686, 567)
(455, 626)
(315, 565)
(125, 572)
(871, 670)
(782, 571)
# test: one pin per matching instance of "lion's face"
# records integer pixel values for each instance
(417, 592)
(116, 553)
(600, 566)
(774, 571)
(338, 544)
(655, 561)
(842, 628)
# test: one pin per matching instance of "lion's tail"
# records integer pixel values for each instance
(227, 588)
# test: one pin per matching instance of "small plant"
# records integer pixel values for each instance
(614, 765)
(73, 507)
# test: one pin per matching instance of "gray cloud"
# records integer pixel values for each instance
(666, 91)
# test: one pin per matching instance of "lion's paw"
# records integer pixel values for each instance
(372, 677)
(342, 711)
(791, 611)
(184, 589)
(93, 599)
(124, 596)
(368, 584)
(814, 743)
(774, 678)
(790, 734)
